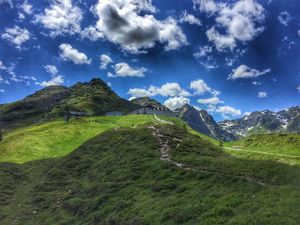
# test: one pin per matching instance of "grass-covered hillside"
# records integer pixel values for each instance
(277, 143)
(58, 138)
(153, 174)
(279, 147)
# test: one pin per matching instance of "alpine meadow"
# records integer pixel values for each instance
(149, 112)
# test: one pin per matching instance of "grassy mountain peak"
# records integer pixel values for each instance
(94, 98)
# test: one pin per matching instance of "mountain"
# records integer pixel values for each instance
(201, 121)
(148, 175)
(265, 122)
(146, 101)
(93, 98)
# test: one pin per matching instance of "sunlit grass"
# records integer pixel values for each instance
(54, 139)
(58, 138)
(284, 148)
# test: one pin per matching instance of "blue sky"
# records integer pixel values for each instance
(228, 57)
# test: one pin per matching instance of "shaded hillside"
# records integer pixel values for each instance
(122, 177)
(202, 122)
(94, 98)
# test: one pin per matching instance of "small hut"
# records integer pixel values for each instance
(114, 113)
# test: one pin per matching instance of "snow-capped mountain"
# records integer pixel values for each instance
(266, 121)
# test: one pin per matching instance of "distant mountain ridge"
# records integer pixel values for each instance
(264, 122)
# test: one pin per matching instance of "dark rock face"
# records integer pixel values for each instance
(94, 98)
(204, 123)
(192, 117)
(265, 122)
(215, 129)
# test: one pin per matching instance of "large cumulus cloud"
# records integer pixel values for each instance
(130, 23)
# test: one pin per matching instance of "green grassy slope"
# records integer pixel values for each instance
(279, 147)
(54, 139)
(118, 178)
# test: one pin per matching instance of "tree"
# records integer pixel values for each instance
(0, 135)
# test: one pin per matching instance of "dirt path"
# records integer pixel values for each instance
(162, 121)
(241, 149)
(164, 141)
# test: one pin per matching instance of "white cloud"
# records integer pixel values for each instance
(14, 77)
(105, 60)
(166, 90)
(176, 102)
(21, 16)
(221, 42)
(51, 69)
(61, 17)
(189, 18)
(240, 20)
(91, 33)
(200, 87)
(262, 94)
(204, 58)
(203, 51)
(131, 24)
(124, 70)
(255, 83)
(2, 66)
(16, 35)
(228, 111)
(169, 89)
(68, 53)
(298, 32)
(9, 2)
(284, 18)
(206, 6)
(3, 81)
(298, 88)
(210, 101)
(139, 92)
(56, 80)
(26, 7)
(244, 71)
